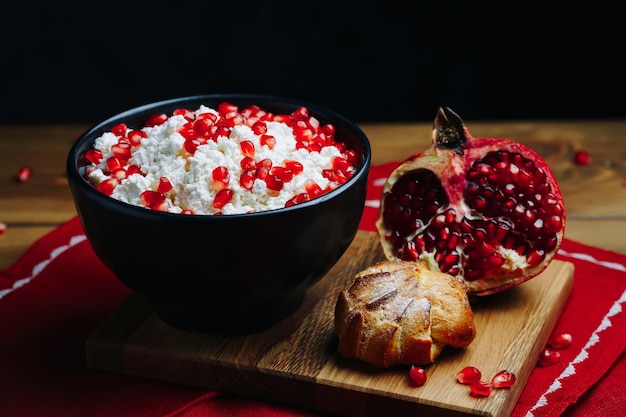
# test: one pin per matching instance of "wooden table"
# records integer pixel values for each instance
(595, 195)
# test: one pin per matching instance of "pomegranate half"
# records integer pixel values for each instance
(486, 210)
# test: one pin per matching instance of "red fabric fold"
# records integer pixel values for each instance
(58, 292)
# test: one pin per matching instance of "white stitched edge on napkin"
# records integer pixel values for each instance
(39, 267)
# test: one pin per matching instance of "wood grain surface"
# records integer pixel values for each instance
(296, 363)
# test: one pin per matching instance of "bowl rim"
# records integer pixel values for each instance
(75, 178)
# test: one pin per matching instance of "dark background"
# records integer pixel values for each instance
(387, 60)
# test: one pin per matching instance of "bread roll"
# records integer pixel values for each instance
(399, 312)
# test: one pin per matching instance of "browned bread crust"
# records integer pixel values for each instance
(399, 312)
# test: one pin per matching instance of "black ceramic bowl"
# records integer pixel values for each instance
(221, 273)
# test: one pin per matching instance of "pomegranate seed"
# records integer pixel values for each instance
(481, 388)
(156, 120)
(135, 136)
(329, 130)
(94, 156)
(150, 198)
(133, 169)
(259, 128)
(294, 166)
(191, 145)
(417, 376)
(225, 108)
(283, 118)
(187, 211)
(283, 173)
(340, 164)
(268, 140)
(107, 186)
(352, 157)
(119, 174)
(113, 163)
(246, 179)
(221, 131)
(312, 189)
(548, 358)
(161, 205)
(186, 113)
(297, 199)
(582, 158)
(222, 198)
(211, 116)
(202, 127)
(468, 375)
(503, 379)
(23, 174)
(247, 148)
(121, 151)
(164, 185)
(560, 341)
(301, 113)
(221, 178)
(274, 182)
(119, 130)
(247, 163)
(3, 227)
(314, 147)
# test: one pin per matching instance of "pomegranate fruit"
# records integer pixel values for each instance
(486, 210)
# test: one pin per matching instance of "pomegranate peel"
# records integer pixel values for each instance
(487, 210)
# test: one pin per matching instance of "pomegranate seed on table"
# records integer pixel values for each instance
(468, 375)
(481, 388)
(582, 158)
(24, 174)
(3, 227)
(503, 379)
(417, 376)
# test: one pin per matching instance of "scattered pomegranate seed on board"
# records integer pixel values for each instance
(468, 375)
(503, 379)
(3, 227)
(481, 388)
(417, 375)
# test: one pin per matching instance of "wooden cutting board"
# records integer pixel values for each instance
(295, 362)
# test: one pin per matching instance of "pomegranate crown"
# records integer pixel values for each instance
(449, 130)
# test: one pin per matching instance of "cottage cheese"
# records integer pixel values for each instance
(162, 153)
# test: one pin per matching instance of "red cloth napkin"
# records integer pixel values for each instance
(58, 292)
